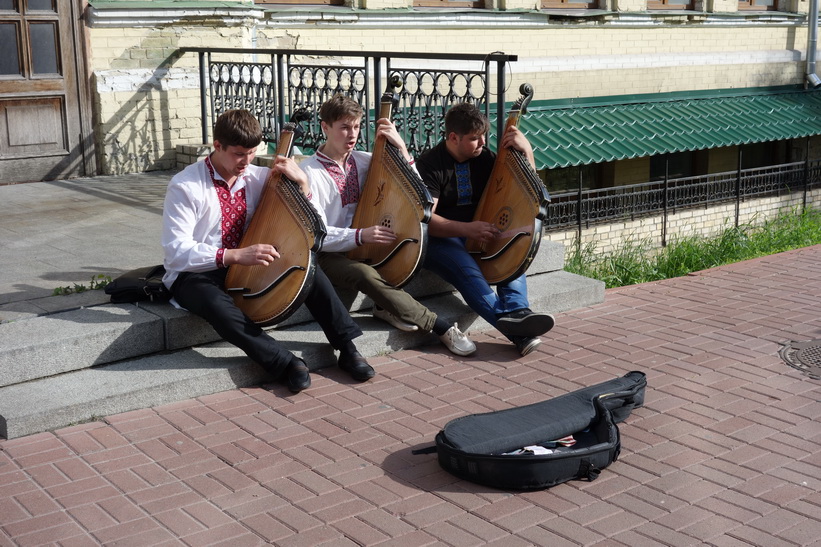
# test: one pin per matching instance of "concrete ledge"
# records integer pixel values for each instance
(77, 396)
(73, 340)
(69, 367)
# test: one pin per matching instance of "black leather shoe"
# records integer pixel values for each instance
(356, 365)
(298, 376)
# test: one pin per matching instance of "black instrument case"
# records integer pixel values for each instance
(489, 448)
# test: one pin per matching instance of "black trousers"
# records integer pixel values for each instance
(203, 294)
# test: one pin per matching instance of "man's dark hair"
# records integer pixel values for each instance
(237, 128)
(465, 119)
(340, 107)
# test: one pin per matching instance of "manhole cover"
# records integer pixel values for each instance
(804, 356)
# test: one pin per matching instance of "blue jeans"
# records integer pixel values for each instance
(448, 258)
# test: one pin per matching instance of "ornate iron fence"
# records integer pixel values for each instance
(275, 83)
(623, 203)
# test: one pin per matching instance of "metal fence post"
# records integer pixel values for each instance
(738, 188)
(203, 104)
(665, 200)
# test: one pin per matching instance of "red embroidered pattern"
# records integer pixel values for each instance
(346, 183)
(234, 212)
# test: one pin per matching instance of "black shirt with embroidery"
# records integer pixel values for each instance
(440, 171)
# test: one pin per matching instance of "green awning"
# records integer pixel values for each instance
(587, 131)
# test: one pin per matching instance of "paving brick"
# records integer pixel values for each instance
(126, 481)
(11, 512)
(748, 502)
(296, 519)
(617, 523)
(754, 536)
(82, 491)
(47, 475)
(268, 528)
(121, 509)
(570, 530)
(248, 502)
(233, 533)
(590, 513)
(179, 523)
(724, 452)
(92, 517)
(155, 450)
(662, 535)
(37, 523)
(81, 442)
(51, 535)
(539, 535)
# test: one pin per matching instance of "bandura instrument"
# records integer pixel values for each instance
(395, 197)
(285, 219)
(515, 201)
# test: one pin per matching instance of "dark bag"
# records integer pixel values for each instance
(139, 285)
(489, 448)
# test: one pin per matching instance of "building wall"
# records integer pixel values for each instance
(146, 96)
(631, 171)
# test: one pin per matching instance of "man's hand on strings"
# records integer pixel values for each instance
(481, 231)
(260, 254)
(378, 234)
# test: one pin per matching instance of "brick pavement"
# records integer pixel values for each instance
(725, 452)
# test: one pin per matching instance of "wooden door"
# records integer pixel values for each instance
(43, 130)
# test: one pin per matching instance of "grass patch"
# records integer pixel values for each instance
(639, 261)
(97, 283)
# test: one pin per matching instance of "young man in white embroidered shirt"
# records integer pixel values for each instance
(336, 174)
(208, 206)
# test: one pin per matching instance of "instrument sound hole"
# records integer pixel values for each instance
(387, 221)
(503, 218)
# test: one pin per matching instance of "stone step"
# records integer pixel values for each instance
(75, 339)
(69, 367)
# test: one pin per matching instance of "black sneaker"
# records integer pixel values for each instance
(525, 323)
(526, 345)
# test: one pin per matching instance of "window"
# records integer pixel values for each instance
(763, 154)
(566, 179)
(29, 40)
(757, 5)
(678, 165)
(448, 4)
(303, 2)
(10, 62)
(44, 50)
(669, 4)
(569, 4)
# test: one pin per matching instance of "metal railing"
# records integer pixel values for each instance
(275, 83)
(587, 207)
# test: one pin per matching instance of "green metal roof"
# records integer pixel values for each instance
(587, 131)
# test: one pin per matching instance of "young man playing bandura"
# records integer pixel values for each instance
(337, 173)
(456, 172)
(207, 208)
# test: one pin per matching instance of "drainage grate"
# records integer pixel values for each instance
(804, 356)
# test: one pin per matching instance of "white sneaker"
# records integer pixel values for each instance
(388, 317)
(457, 341)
